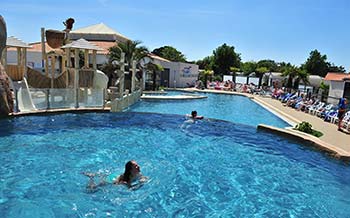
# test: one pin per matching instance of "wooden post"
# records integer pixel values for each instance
(76, 76)
(63, 64)
(69, 66)
(94, 63)
(133, 71)
(86, 58)
(43, 52)
(53, 69)
(19, 62)
(25, 62)
(121, 79)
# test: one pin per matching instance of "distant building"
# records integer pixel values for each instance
(175, 74)
(339, 86)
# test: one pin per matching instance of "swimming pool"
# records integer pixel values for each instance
(234, 108)
(209, 168)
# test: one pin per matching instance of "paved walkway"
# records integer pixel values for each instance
(330, 133)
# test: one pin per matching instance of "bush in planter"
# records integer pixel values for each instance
(307, 128)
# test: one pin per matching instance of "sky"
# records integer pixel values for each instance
(280, 30)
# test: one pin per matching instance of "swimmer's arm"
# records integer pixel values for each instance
(143, 179)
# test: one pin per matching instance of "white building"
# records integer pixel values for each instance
(339, 86)
(175, 74)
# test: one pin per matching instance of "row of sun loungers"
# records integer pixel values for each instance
(327, 112)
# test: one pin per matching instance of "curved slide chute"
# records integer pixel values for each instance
(24, 98)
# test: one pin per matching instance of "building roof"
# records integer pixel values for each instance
(151, 55)
(14, 42)
(337, 76)
(82, 44)
(98, 32)
(36, 47)
(104, 45)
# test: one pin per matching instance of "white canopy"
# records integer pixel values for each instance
(82, 44)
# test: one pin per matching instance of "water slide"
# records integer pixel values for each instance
(24, 98)
(100, 80)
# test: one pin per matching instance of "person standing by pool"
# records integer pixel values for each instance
(341, 111)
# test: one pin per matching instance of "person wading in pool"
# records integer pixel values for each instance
(131, 177)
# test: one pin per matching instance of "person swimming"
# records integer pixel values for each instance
(131, 177)
(195, 116)
(131, 174)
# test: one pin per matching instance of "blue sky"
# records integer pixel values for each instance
(281, 30)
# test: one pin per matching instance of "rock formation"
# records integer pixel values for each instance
(6, 100)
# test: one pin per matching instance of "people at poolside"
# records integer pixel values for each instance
(131, 177)
(341, 111)
(194, 116)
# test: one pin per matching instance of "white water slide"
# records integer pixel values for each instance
(24, 98)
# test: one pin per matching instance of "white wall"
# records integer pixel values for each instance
(179, 73)
(336, 90)
(226, 78)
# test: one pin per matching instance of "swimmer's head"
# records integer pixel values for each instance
(194, 113)
(131, 170)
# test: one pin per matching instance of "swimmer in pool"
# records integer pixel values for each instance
(131, 177)
(195, 116)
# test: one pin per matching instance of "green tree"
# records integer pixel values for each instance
(170, 53)
(133, 52)
(156, 69)
(335, 69)
(271, 65)
(224, 58)
(204, 76)
(234, 70)
(248, 67)
(301, 76)
(206, 63)
(260, 73)
(289, 71)
(316, 64)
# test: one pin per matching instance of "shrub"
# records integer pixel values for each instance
(307, 128)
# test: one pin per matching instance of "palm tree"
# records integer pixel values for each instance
(205, 75)
(155, 69)
(260, 73)
(289, 72)
(301, 75)
(234, 70)
(133, 52)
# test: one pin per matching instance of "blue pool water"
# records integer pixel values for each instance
(204, 169)
(234, 108)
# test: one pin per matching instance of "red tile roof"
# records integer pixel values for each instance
(337, 76)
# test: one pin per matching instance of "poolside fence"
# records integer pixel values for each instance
(27, 100)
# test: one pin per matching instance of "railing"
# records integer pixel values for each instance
(45, 99)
